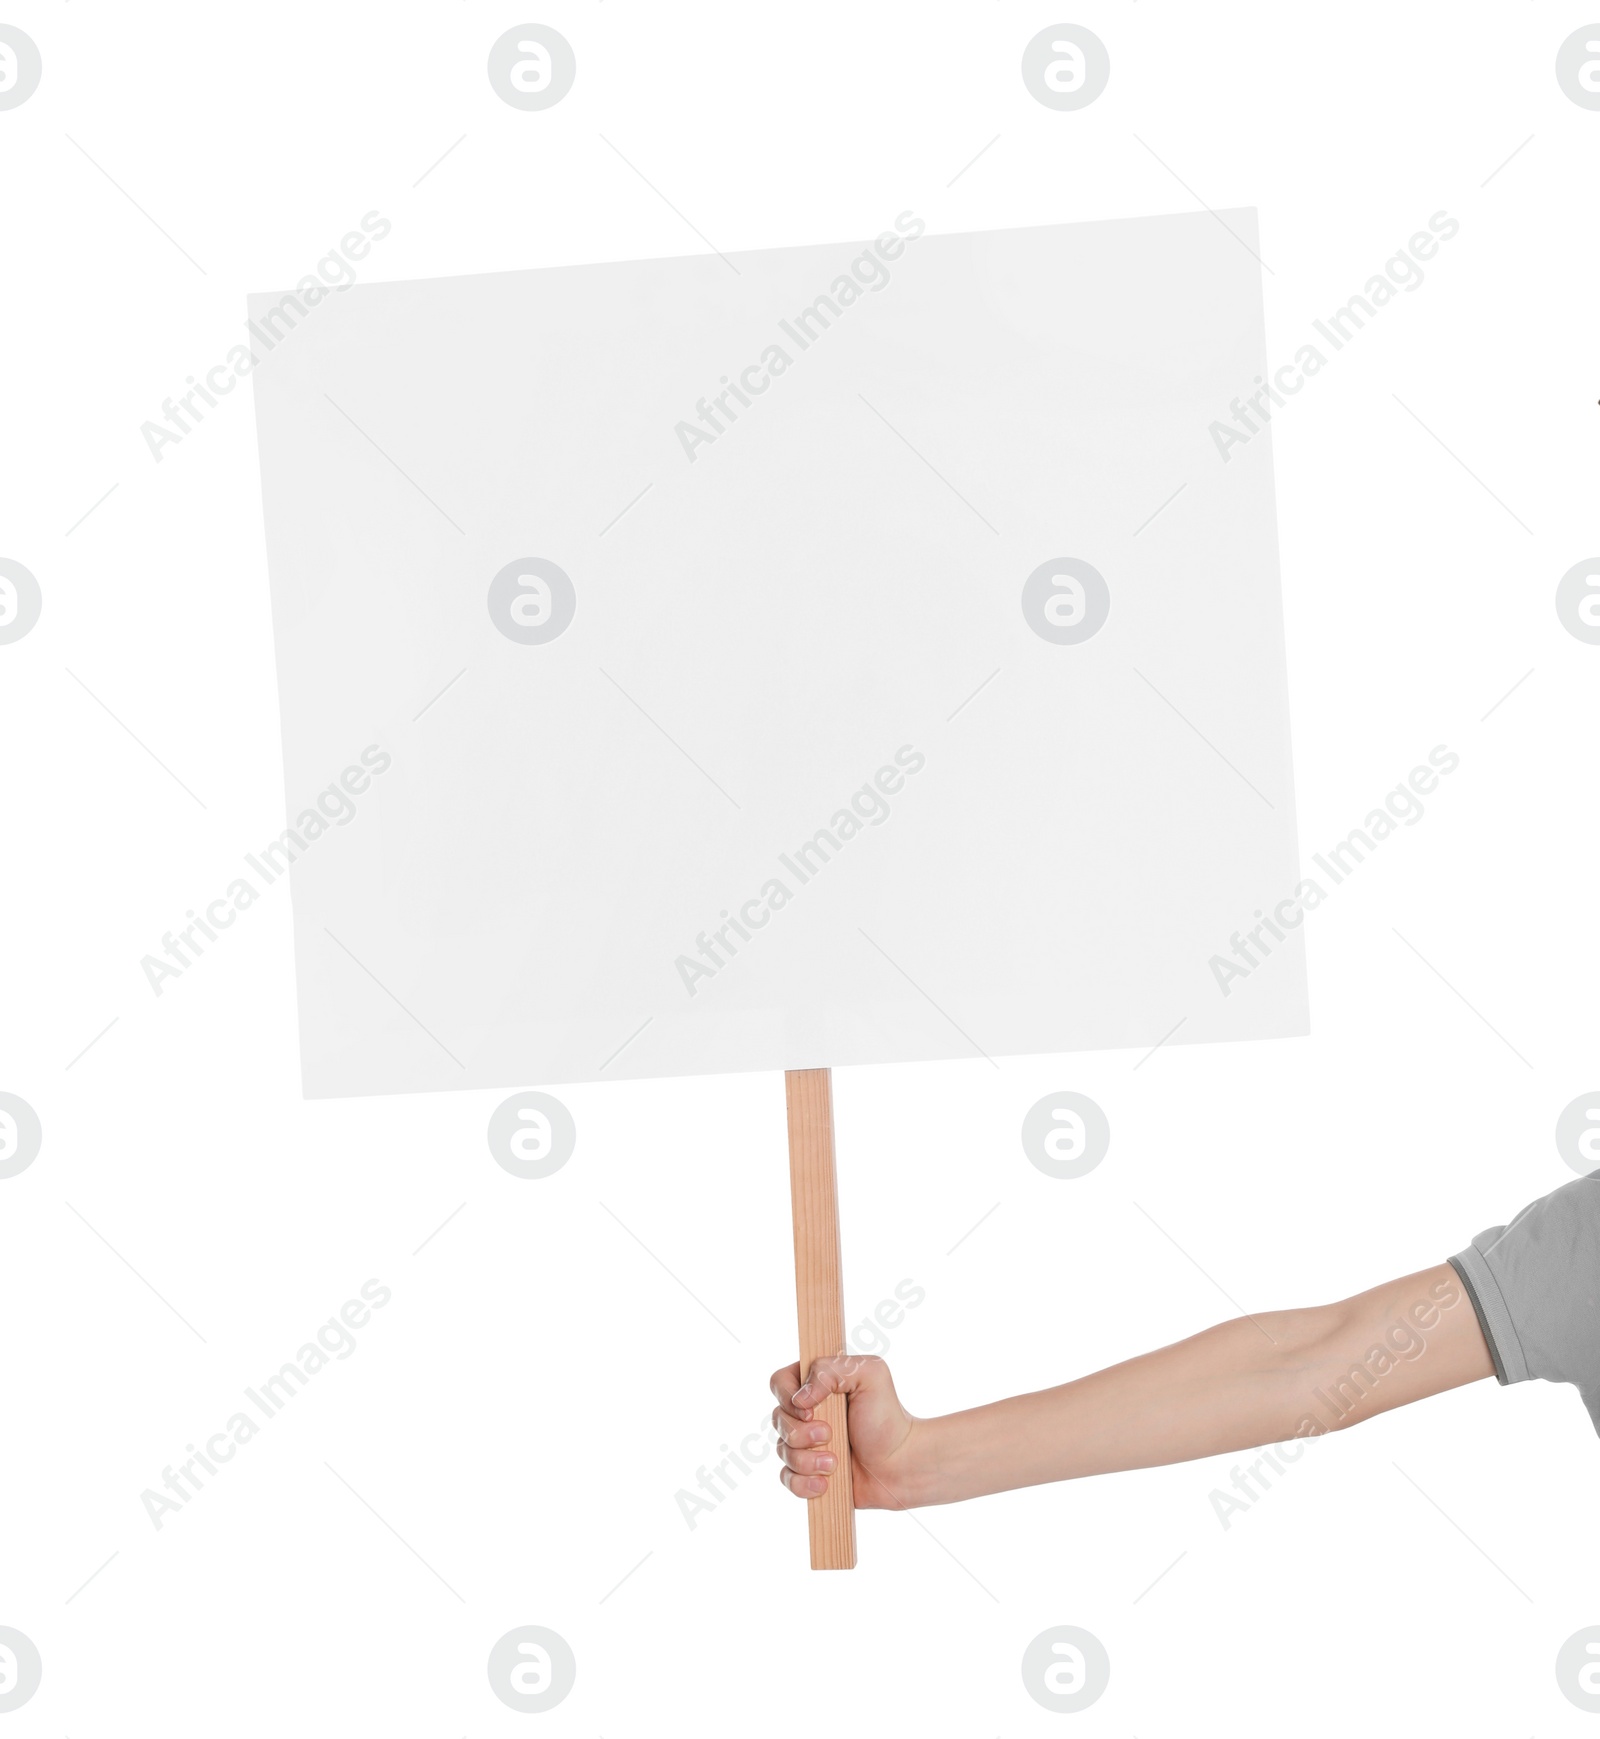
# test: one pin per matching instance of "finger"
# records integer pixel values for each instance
(802, 1485)
(807, 1461)
(822, 1383)
(783, 1385)
(803, 1433)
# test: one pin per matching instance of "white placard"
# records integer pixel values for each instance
(822, 656)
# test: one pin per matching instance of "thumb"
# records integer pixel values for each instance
(838, 1374)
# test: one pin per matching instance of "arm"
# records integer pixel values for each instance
(1253, 1381)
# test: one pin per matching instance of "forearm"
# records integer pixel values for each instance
(1252, 1381)
(1221, 1390)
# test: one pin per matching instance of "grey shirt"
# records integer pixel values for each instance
(1535, 1285)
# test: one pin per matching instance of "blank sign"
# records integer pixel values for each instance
(821, 656)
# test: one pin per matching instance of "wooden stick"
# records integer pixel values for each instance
(819, 1293)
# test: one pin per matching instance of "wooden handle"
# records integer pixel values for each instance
(819, 1293)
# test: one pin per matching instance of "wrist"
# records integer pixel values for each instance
(916, 1474)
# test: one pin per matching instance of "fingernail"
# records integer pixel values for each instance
(826, 1463)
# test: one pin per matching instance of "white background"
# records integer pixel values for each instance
(523, 1412)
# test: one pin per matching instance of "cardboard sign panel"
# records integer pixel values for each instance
(829, 655)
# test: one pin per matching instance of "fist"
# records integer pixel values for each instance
(879, 1428)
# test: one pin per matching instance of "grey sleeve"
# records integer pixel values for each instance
(1535, 1285)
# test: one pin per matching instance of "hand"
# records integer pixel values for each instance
(879, 1428)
